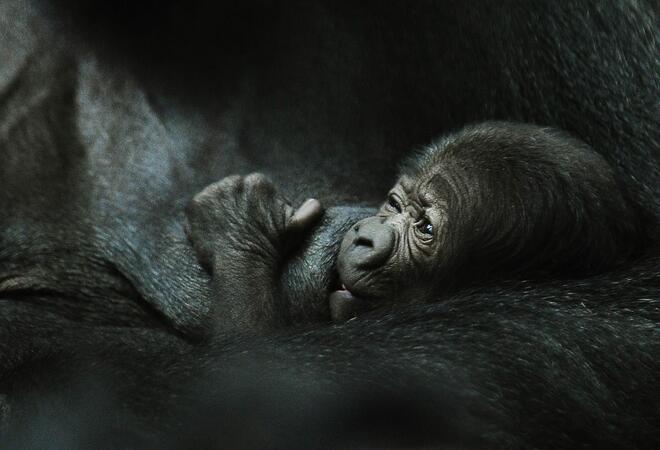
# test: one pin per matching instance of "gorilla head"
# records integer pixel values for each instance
(493, 199)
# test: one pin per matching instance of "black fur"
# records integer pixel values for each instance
(102, 302)
(493, 200)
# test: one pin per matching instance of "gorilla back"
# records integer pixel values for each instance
(100, 292)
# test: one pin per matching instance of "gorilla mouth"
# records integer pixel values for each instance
(344, 291)
(352, 284)
(338, 288)
(344, 305)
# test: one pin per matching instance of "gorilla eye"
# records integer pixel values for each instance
(425, 227)
(394, 203)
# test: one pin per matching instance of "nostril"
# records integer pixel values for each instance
(364, 242)
(356, 228)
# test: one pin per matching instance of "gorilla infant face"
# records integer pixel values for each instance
(407, 238)
(493, 199)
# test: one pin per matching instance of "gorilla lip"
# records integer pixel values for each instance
(343, 289)
(342, 292)
(345, 306)
(342, 304)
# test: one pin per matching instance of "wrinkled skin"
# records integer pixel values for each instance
(113, 119)
(242, 230)
(493, 200)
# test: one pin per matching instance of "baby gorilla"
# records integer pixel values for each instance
(493, 200)
(496, 199)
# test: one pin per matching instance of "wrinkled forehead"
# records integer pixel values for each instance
(425, 186)
(407, 183)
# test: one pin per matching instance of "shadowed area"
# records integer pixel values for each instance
(114, 116)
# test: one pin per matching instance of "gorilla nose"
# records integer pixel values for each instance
(372, 243)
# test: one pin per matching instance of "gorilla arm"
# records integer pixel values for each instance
(242, 229)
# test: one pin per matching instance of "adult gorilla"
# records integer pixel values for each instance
(102, 301)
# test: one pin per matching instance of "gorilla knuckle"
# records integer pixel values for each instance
(213, 202)
(197, 206)
(231, 183)
(256, 178)
(231, 180)
(190, 210)
(259, 182)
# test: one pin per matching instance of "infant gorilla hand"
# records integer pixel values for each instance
(240, 217)
(241, 229)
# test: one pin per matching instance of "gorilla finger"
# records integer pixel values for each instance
(214, 193)
(308, 213)
(260, 183)
(231, 186)
(230, 180)
(203, 254)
